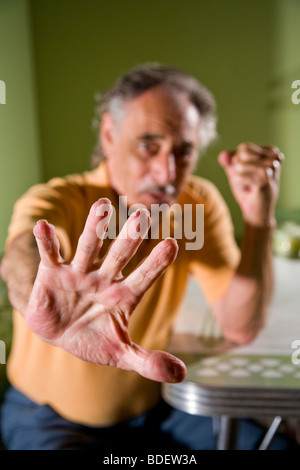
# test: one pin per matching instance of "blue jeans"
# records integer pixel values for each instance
(26, 425)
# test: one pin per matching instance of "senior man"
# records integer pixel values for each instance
(92, 316)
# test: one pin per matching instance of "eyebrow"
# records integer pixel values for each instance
(149, 136)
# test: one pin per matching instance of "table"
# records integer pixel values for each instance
(252, 381)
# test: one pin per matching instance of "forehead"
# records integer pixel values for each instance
(163, 111)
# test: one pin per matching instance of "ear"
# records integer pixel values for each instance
(107, 134)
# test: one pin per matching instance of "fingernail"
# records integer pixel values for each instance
(177, 371)
(171, 238)
(142, 210)
(171, 247)
(139, 224)
(104, 209)
(104, 200)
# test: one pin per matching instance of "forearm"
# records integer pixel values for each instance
(19, 268)
(242, 311)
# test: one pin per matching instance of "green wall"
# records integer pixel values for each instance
(285, 116)
(19, 149)
(246, 52)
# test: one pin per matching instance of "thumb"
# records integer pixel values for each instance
(225, 158)
(159, 366)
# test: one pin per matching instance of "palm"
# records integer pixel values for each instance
(79, 311)
(85, 307)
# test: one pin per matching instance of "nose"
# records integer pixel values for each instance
(164, 169)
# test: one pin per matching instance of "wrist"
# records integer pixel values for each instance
(264, 225)
(258, 236)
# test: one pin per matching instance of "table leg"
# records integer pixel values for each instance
(227, 436)
(268, 439)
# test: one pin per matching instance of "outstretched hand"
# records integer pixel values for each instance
(84, 306)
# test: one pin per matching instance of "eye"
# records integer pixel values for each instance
(184, 155)
(148, 149)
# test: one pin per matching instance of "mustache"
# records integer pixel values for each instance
(168, 190)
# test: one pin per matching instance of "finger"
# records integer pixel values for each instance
(247, 167)
(253, 175)
(91, 239)
(249, 183)
(257, 150)
(248, 152)
(225, 158)
(47, 242)
(154, 365)
(272, 152)
(252, 152)
(126, 244)
(152, 268)
(270, 166)
(240, 164)
(276, 169)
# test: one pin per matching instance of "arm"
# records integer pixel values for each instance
(253, 174)
(84, 306)
(18, 269)
(242, 311)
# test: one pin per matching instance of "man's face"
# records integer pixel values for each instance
(153, 149)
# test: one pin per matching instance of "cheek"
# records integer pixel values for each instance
(138, 169)
(184, 171)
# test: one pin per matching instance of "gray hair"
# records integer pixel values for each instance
(144, 77)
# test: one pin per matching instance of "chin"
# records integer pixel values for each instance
(147, 200)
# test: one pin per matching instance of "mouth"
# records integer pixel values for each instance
(160, 196)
